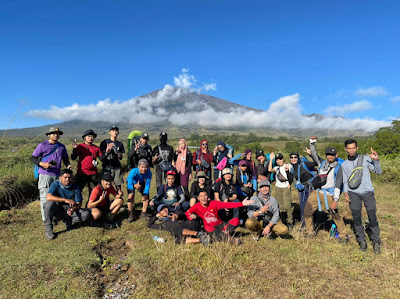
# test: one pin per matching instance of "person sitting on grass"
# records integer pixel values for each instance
(208, 211)
(64, 201)
(200, 184)
(99, 201)
(183, 231)
(168, 195)
(264, 214)
(139, 179)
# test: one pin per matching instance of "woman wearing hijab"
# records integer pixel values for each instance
(202, 158)
(183, 165)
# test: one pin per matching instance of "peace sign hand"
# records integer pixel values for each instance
(373, 155)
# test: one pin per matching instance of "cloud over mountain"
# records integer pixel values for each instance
(183, 104)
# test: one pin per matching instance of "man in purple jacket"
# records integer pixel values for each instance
(48, 156)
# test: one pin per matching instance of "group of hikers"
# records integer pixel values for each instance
(215, 204)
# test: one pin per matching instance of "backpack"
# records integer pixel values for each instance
(204, 163)
(356, 174)
(36, 168)
(272, 175)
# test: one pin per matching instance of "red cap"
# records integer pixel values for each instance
(171, 172)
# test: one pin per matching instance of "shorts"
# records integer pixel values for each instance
(116, 173)
(105, 210)
(130, 191)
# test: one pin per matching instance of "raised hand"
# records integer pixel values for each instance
(307, 150)
(247, 202)
(74, 144)
(373, 155)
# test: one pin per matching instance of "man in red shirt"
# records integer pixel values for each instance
(87, 164)
(208, 211)
(99, 201)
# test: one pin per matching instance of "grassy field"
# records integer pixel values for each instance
(91, 262)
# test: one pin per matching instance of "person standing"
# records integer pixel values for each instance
(141, 150)
(284, 178)
(162, 158)
(113, 151)
(87, 164)
(48, 156)
(364, 192)
(183, 165)
(202, 159)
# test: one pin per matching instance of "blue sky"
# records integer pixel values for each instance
(340, 56)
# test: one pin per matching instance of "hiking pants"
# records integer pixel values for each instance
(44, 185)
(224, 230)
(303, 196)
(231, 214)
(256, 226)
(160, 177)
(370, 205)
(58, 209)
(284, 198)
(312, 206)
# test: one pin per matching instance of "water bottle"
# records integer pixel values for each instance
(333, 231)
(158, 239)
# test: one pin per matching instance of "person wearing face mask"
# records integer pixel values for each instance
(162, 158)
(220, 152)
(202, 159)
(284, 179)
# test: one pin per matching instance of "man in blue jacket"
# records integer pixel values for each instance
(139, 179)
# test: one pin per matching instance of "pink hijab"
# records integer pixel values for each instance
(181, 159)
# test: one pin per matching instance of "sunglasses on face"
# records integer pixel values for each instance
(204, 144)
(293, 157)
(244, 165)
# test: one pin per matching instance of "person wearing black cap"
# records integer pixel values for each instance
(99, 200)
(87, 164)
(162, 158)
(324, 188)
(141, 150)
(284, 178)
(113, 151)
(262, 167)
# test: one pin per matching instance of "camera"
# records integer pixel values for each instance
(94, 162)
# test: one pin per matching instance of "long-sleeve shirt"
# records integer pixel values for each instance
(135, 177)
(272, 215)
(366, 183)
(209, 214)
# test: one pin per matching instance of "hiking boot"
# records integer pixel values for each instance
(131, 216)
(377, 247)
(309, 236)
(290, 227)
(363, 246)
(110, 224)
(344, 240)
(257, 236)
(205, 239)
(68, 224)
(50, 235)
(145, 216)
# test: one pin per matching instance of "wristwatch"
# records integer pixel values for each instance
(261, 213)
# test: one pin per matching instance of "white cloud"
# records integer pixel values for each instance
(285, 113)
(353, 107)
(395, 99)
(374, 91)
(211, 86)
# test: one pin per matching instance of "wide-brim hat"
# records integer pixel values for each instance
(226, 171)
(201, 174)
(53, 130)
(89, 132)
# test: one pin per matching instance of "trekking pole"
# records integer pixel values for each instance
(9, 125)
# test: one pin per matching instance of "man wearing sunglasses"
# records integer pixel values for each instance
(327, 171)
